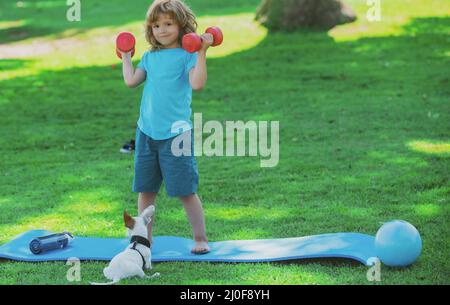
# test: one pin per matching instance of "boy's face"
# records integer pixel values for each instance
(166, 31)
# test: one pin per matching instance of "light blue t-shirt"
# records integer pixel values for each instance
(167, 94)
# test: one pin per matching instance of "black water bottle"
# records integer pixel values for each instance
(50, 242)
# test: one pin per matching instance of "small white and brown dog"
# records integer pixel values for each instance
(136, 258)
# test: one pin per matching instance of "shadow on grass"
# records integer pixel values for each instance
(336, 103)
(41, 20)
(18, 33)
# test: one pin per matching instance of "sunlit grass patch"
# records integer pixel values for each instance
(11, 24)
(96, 47)
(236, 213)
(427, 209)
(429, 147)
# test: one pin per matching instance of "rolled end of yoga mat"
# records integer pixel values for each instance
(50, 242)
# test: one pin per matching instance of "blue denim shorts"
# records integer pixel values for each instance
(154, 162)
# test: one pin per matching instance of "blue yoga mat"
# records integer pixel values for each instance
(354, 246)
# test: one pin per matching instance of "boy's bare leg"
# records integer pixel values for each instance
(144, 201)
(194, 211)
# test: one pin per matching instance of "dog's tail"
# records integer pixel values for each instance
(115, 281)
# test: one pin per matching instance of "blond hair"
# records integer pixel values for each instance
(178, 11)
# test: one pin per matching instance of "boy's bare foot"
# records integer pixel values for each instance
(201, 247)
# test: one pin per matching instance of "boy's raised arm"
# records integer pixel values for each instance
(132, 77)
(198, 75)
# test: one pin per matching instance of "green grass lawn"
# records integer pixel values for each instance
(364, 136)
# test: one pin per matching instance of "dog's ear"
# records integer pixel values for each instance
(148, 213)
(128, 220)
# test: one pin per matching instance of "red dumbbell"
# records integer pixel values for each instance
(125, 42)
(192, 42)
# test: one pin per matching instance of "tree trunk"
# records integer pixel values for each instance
(290, 15)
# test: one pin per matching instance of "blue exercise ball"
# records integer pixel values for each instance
(398, 243)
